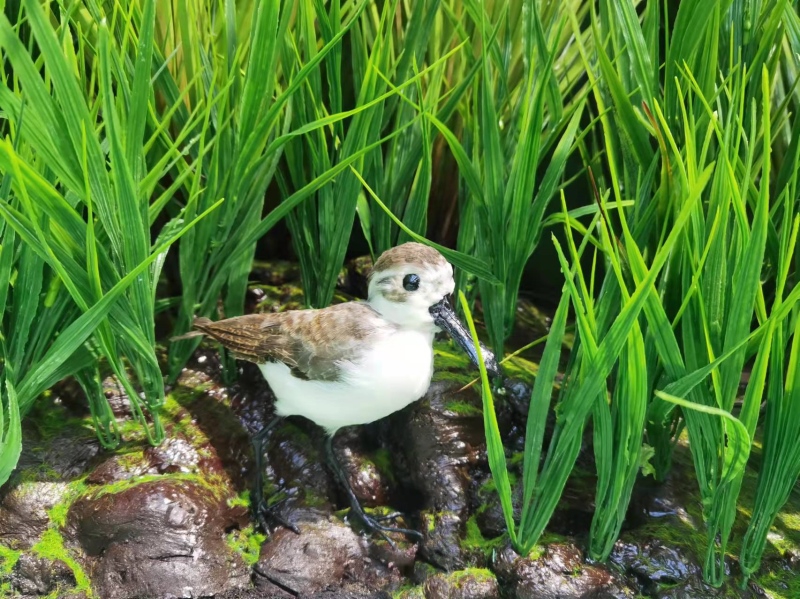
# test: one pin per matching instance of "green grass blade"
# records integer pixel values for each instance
(10, 431)
(494, 443)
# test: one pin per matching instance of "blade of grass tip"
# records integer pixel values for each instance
(747, 272)
(7, 260)
(326, 121)
(131, 213)
(739, 440)
(47, 117)
(336, 224)
(494, 443)
(74, 110)
(468, 263)
(140, 91)
(636, 47)
(551, 178)
(364, 218)
(688, 31)
(466, 169)
(639, 139)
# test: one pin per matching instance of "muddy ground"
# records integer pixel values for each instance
(172, 521)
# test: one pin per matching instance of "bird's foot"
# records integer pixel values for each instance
(374, 525)
(264, 513)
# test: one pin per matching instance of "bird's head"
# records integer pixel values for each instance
(407, 281)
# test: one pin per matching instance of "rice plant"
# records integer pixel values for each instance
(255, 118)
(700, 121)
(321, 226)
(780, 468)
(592, 361)
(236, 153)
(520, 116)
(130, 123)
(76, 236)
(76, 228)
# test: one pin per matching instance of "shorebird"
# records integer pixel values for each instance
(351, 363)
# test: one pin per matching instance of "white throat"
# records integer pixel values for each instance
(404, 315)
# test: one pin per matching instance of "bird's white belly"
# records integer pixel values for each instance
(392, 373)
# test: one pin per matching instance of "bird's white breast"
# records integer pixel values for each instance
(393, 371)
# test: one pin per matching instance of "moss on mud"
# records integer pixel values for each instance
(8, 559)
(458, 577)
(408, 591)
(51, 546)
(216, 485)
(463, 408)
(247, 543)
(475, 541)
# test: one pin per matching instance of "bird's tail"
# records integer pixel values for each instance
(200, 324)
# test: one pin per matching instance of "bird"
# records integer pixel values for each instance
(351, 363)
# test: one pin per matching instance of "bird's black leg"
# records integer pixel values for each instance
(262, 512)
(373, 524)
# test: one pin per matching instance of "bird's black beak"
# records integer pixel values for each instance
(445, 318)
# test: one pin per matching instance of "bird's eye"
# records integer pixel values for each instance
(411, 282)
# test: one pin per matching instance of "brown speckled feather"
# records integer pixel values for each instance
(312, 343)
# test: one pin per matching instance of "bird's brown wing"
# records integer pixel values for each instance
(312, 343)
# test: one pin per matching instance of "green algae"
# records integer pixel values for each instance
(463, 408)
(377, 462)
(58, 513)
(247, 543)
(522, 369)
(313, 500)
(280, 298)
(212, 483)
(51, 546)
(490, 487)
(537, 551)
(475, 541)
(447, 356)
(181, 419)
(451, 365)
(774, 575)
(297, 434)
(130, 456)
(430, 522)
(685, 531)
(8, 559)
(40, 473)
(50, 418)
(458, 577)
(457, 378)
(240, 500)
(280, 269)
(382, 458)
(453, 580)
(408, 591)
